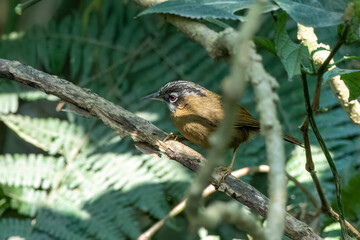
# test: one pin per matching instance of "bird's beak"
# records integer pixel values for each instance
(154, 96)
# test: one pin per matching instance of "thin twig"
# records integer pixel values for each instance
(264, 86)
(210, 189)
(233, 86)
(310, 167)
(327, 155)
(173, 66)
(304, 190)
(324, 67)
(22, 6)
(129, 58)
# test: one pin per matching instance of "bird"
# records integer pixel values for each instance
(196, 112)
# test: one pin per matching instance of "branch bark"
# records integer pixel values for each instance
(266, 97)
(146, 136)
(198, 32)
(338, 87)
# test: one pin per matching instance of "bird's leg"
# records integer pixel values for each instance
(172, 136)
(226, 171)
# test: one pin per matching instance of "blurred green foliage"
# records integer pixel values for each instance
(80, 180)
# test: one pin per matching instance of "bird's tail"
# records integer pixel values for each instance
(293, 140)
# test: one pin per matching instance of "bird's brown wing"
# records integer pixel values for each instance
(244, 119)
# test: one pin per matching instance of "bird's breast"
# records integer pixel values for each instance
(194, 128)
(196, 118)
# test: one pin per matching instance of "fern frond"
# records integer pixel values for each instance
(59, 226)
(8, 103)
(12, 227)
(27, 179)
(175, 178)
(34, 95)
(125, 172)
(51, 135)
(32, 170)
(125, 217)
(25, 200)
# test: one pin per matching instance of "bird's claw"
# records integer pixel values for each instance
(170, 136)
(224, 171)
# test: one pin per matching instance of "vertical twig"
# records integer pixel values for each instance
(327, 155)
(309, 39)
(233, 86)
(324, 67)
(304, 190)
(264, 87)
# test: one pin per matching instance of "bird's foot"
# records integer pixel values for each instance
(224, 171)
(170, 136)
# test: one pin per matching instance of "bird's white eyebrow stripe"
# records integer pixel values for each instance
(191, 93)
(185, 87)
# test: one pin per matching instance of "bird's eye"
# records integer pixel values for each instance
(172, 98)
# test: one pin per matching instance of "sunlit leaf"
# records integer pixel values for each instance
(205, 8)
(314, 13)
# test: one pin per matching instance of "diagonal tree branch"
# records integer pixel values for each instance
(146, 136)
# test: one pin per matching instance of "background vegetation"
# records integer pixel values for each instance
(63, 176)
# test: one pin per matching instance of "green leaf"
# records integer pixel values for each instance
(335, 72)
(218, 23)
(265, 43)
(205, 8)
(350, 76)
(353, 82)
(352, 22)
(351, 201)
(291, 54)
(332, 231)
(314, 13)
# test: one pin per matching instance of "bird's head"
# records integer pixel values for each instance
(174, 93)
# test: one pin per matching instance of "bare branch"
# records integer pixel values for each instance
(266, 97)
(146, 136)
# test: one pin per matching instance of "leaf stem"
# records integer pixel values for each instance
(345, 58)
